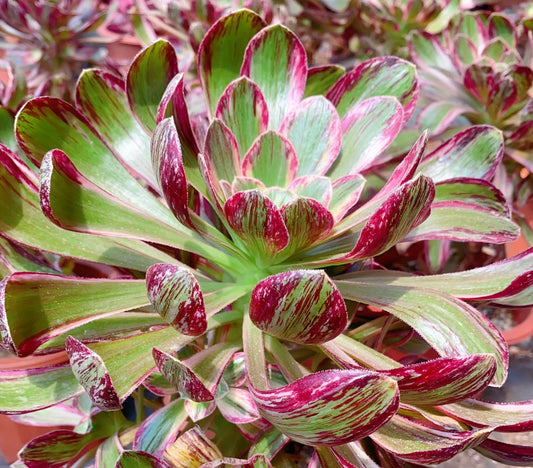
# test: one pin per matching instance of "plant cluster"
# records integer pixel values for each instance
(204, 241)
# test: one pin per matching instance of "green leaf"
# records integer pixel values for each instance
(192, 449)
(132, 459)
(7, 134)
(160, 428)
(46, 123)
(31, 389)
(222, 151)
(276, 61)
(108, 452)
(381, 76)
(452, 327)
(243, 109)
(37, 307)
(102, 98)
(321, 79)
(148, 76)
(475, 152)
(26, 223)
(221, 52)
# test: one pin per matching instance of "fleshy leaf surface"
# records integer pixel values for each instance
(222, 151)
(148, 76)
(367, 129)
(276, 61)
(381, 76)
(244, 110)
(221, 52)
(176, 295)
(331, 407)
(301, 305)
(272, 160)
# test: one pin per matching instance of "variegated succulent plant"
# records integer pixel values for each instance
(480, 70)
(237, 245)
(52, 40)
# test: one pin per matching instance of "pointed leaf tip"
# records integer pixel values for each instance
(176, 296)
(302, 306)
(91, 372)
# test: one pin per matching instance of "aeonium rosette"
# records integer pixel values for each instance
(264, 197)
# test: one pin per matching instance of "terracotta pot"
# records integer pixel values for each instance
(14, 434)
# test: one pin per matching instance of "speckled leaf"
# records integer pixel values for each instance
(314, 129)
(427, 445)
(381, 76)
(133, 459)
(332, 407)
(57, 448)
(318, 188)
(222, 151)
(507, 454)
(35, 308)
(320, 79)
(272, 160)
(243, 109)
(405, 208)
(367, 129)
(101, 96)
(258, 222)
(91, 372)
(48, 123)
(221, 52)
(148, 76)
(30, 389)
(257, 461)
(307, 222)
(192, 449)
(197, 377)
(504, 417)
(173, 104)
(168, 166)
(160, 429)
(237, 406)
(475, 152)
(275, 59)
(176, 295)
(444, 380)
(345, 194)
(301, 305)
(452, 327)
(26, 223)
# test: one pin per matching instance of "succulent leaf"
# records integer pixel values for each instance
(176, 295)
(301, 305)
(332, 407)
(276, 61)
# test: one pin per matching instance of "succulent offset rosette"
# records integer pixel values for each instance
(222, 232)
(483, 62)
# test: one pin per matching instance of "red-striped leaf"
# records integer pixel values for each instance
(243, 109)
(133, 459)
(258, 222)
(91, 372)
(168, 166)
(318, 188)
(301, 305)
(275, 59)
(221, 52)
(307, 222)
(332, 407)
(367, 129)
(444, 380)
(427, 445)
(345, 194)
(320, 79)
(191, 449)
(222, 151)
(176, 296)
(381, 76)
(507, 454)
(272, 160)
(314, 129)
